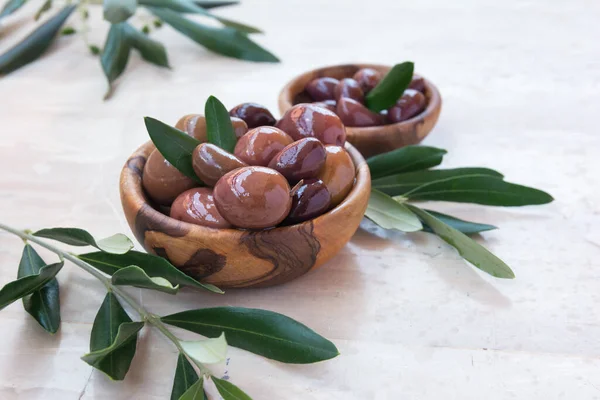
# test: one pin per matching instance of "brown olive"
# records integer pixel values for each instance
(239, 127)
(328, 104)
(300, 160)
(338, 174)
(417, 83)
(211, 162)
(197, 206)
(367, 78)
(253, 197)
(310, 198)
(349, 88)
(194, 125)
(308, 120)
(410, 104)
(321, 89)
(353, 113)
(253, 114)
(162, 181)
(259, 145)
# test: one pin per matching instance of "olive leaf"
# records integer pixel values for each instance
(390, 88)
(405, 159)
(207, 351)
(466, 227)
(219, 128)
(116, 11)
(262, 332)
(135, 276)
(43, 304)
(228, 390)
(34, 45)
(115, 244)
(185, 377)
(45, 7)
(115, 55)
(195, 392)
(113, 340)
(152, 265)
(11, 6)
(390, 214)
(150, 50)
(27, 285)
(207, 4)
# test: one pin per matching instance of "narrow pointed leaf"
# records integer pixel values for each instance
(207, 351)
(115, 55)
(115, 244)
(34, 45)
(466, 227)
(185, 377)
(11, 6)
(229, 391)
(226, 41)
(43, 304)
(208, 4)
(135, 276)
(262, 332)
(195, 392)
(390, 88)
(150, 50)
(469, 249)
(116, 11)
(405, 159)
(218, 125)
(389, 214)
(27, 285)
(152, 265)
(45, 7)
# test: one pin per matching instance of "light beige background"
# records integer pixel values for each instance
(521, 87)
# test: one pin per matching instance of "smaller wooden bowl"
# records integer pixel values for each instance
(370, 140)
(240, 258)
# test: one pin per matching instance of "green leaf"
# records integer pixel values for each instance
(115, 55)
(45, 7)
(115, 244)
(466, 227)
(135, 276)
(219, 128)
(185, 377)
(43, 304)
(34, 45)
(405, 159)
(175, 146)
(11, 6)
(195, 392)
(400, 184)
(469, 249)
(152, 265)
(68, 31)
(262, 332)
(228, 390)
(389, 214)
(207, 4)
(150, 50)
(226, 41)
(116, 11)
(27, 285)
(207, 351)
(390, 88)
(113, 340)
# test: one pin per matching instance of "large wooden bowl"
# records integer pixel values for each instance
(374, 139)
(240, 258)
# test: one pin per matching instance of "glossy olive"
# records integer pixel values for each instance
(417, 83)
(259, 145)
(321, 89)
(162, 181)
(349, 88)
(310, 198)
(367, 78)
(253, 114)
(253, 197)
(211, 162)
(353, 113)
(308, 120)
(328, 104)
(194, 125)
(410, 104)
(239, 127)
(300, 160)
(338, 174)
(197, 206)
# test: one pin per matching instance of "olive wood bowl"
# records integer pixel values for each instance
(242, 258)
(369, 140)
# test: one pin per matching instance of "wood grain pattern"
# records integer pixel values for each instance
(374, 139)
(240, 258)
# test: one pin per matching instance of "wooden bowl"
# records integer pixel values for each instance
(242, 258)
(370, 140)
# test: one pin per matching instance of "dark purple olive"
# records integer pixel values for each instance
(352, 113)
(308, 120)
(417, 83)
(310, 198)
(253, 115)
(303, 159)
(349, 88)
(367, 78)
(410, 104)
(321, 88)
(328, 104)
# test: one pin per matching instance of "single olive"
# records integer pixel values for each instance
(309, 120)
(338, 174)
(197, 206)
(328, 104)
(300, 160)
(253, 114)
(162, 181)
(211, 162)
(367, 78)
(310, 198)
(353, 113)
(410, 104)
(417, 83)
(239, 127)
(321, 88)
(253, 197)
(194, 125)
(349, 88)
(259, 145)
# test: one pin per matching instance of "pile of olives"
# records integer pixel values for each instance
(346, 98)
(281, 172)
